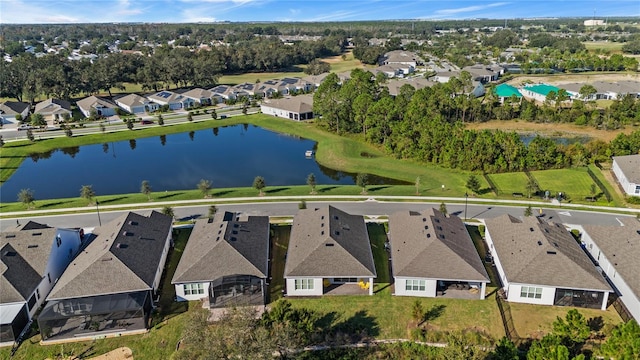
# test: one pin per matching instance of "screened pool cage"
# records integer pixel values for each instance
(95, 316)
(236, 290)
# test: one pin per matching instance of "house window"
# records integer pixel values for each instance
(58, 240)
(193, 289)
(415, 285)
(32, 302)
(37, 294)
(304, 284)
(49, 277)
(531, 292)
(637, 189)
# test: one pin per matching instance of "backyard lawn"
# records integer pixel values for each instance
(575, 182)
(536, 320)
(509, 183)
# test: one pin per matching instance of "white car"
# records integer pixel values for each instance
(25, 127)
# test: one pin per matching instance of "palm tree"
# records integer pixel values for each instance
(204, 186)
(259, 184)
(145, 188)
(26, 197)
(168, 210)
(86, 192)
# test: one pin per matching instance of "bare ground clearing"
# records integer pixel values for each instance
(549, 129)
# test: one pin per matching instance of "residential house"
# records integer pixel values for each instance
(445, 76)
(539, 92)
(225, 262)
(102, 107)
(541, 263)
(433, 255)
(224, 92)
(505, 91)
(10, 109)
(53, 110)
(627, 171)
(108, 289)
(32, 258)
(616, 249)
(328, 249)
(401, 57)
(200, 96)
(174, 100)
(483, 73)
(315, 80)
(606, 90)
(295, 108)
(136, 104)
(417, 83)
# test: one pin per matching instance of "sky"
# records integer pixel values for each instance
(188, 11)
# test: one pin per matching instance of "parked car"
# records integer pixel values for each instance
(223, 116)
(146, 122)
(25, 127)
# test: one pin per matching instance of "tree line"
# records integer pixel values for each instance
(428, 125)
(26, 77)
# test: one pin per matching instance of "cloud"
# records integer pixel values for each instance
(467, 9)
(124, 8)
(20, 12)
(196, 15)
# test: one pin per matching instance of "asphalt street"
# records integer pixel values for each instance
(369, 208)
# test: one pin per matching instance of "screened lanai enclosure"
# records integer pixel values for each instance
(95, 316)
(236, 290)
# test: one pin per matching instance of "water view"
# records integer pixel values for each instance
(229, 157)
(561, 140)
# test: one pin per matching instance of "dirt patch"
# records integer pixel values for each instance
(338, 58)
(567, 130)
(123, 353)
(561, 79)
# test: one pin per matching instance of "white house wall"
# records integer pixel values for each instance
(630, 300)
(274, 111)
(429, 291)
(163, 259)
(496, 260)
(548, 294)
(318, 288)
(628, 187)
(180, 296)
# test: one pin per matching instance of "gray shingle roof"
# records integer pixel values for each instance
(630, 166)
(132, 100)
(429, 244)
(328, 242)
(13, 107)
(94, 102)
(24, 255)
(123, 257)
(298, 104)
(51, 106)
(532, 251)
(226, 246)
(621, 246)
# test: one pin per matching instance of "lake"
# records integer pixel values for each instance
(229, 156)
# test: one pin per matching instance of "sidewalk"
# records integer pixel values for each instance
(387, 198)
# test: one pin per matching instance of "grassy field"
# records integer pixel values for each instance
(612, 47)
(263, 76)
(536, 320)
(576, 183)
(279, 245)
(509, 183)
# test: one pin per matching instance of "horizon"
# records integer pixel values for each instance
(35, 12)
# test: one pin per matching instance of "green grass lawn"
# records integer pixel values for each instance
(616, 199)
(509, 183)
(613, 47)
(574, 182)
(378, 236)
(387, 316)
(536, 320)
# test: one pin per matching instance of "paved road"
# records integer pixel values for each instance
(289, 208)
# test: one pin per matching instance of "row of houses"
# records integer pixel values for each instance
(227, 262)
(605, 90)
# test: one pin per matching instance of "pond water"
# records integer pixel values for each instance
(527, 138)
(228, 156)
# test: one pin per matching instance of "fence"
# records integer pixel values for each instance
(507, 319)
(492, 185)
(600, 184)
(622, 310)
